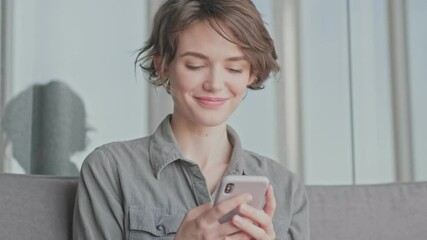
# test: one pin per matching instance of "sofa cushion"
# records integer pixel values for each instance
(36, 207)
(384, 211)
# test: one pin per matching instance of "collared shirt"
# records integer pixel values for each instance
(142, 189)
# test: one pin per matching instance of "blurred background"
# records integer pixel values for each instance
(349, 106)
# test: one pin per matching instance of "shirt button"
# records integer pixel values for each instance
(160, 227)
(235, 172)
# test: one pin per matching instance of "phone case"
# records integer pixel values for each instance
(233, 185)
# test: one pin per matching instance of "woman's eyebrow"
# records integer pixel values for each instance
(202, 56)
(194, 54)
(239, 58)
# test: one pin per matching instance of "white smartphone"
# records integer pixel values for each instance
(233, 185)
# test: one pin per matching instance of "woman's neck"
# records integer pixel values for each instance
(208, 146)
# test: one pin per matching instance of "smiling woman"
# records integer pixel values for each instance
(207, 78)
(206, 54)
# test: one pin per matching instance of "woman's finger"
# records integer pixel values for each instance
(225, 207)
(270, 202)
(257, 216)
(227, 229)
(197, 211)
(238, 236)
(249, 228)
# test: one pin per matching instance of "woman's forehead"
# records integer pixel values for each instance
(201, 37)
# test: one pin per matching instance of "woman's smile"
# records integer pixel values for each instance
(211, 102)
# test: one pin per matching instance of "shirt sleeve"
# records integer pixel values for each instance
(98, 211)
(300, 226)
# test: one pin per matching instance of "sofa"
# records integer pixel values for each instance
(41, 207)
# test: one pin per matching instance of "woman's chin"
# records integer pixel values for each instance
(211, 120)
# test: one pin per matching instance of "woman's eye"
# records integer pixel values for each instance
(233, 70)
(193, 67)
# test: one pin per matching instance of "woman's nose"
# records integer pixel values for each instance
(214, 81)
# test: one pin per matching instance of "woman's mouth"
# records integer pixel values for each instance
(211, 102)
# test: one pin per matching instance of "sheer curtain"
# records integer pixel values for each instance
(358, 73)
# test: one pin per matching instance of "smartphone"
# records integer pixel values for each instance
(233, 185)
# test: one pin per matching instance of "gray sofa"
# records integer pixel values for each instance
(40, 207)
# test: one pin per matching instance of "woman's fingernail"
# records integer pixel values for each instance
(237, 219)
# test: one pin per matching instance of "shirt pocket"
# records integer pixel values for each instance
(153, 223)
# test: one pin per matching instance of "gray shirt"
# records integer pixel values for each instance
(142, 189)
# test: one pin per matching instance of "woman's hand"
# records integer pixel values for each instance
(202, 222)
(256, 224)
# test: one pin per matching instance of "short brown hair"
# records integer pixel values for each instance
(240, 16)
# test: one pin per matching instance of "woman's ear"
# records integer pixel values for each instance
(252, 78)
(159, 65)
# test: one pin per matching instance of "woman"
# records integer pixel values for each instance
(206, 54)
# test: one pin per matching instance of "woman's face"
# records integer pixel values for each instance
(208, 76)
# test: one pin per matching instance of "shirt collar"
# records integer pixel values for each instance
(164, 149)
(236, 164)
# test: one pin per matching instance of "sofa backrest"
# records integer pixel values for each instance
(386, 211)
(36, 207)
(41, 207)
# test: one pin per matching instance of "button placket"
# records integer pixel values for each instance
(199, 182)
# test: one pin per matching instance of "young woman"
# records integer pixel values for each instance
(206, 54)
